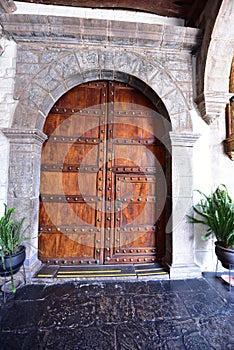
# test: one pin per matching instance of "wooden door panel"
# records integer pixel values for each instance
(142, 240)
(68, 215)
(60, 246)
(68, 153)
(137, 158)
(102, 189)
(81, 244)
(136, 214)
(135, 187)
(69, 183)
(125, 96)
(137, 128)
(141, 156)
(47, 245)
(72, 179)
(74, 125)
(83, 96)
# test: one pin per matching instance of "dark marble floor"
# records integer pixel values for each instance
(193, 314)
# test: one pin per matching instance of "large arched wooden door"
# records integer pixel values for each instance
(102, 178)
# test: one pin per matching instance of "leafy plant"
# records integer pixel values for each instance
(216, 211)
(12, 236)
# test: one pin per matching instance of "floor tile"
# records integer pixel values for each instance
(192, 314)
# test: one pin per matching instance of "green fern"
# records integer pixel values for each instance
(216, 212)
(12, 236)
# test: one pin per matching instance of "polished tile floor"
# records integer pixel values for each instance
(192, 314)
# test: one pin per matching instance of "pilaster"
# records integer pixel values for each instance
(24, 182)
(180, 251)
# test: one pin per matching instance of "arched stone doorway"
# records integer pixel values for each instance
(26, 138)
(105, 193)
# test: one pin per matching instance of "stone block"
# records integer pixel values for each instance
(20, 175)
(174, 101)
(181, 75)
(88, 60)
(123, 27)
(94, 31)
(40, 121)
(122, 33)
(37, 98)
(94, 24)
(107, 74)
(92, 75)
(58, 91)
(89, 39)
(192, 38)
(21, 82)
(66, 29)
(31, 26)
(106, 59)
(121, 76)
(184, 121)
(33, 96)
(175, 58)
(149, 35)
(48, 79)
(122, 41)
(74, 80)
(25, 116)
(24, 56)
(67, 66)
(162, 83)
(121, 61)
(50, 53)
(24, 173)
(145, 70)
(172, 37)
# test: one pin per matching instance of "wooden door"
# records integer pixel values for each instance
(102, 178)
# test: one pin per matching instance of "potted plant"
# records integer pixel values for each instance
(12, 250)
(216, 212)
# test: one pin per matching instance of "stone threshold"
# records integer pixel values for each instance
(101, 272)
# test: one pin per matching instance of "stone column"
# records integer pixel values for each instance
(180, 242)
(24, 184)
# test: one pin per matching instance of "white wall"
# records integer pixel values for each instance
(212, 167)
(7, 107)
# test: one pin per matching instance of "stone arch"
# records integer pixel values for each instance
(74, 68)
(37, 93)
(214, 61)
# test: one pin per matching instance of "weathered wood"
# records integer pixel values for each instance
(102, 190)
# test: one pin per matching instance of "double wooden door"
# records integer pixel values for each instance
(102, 178)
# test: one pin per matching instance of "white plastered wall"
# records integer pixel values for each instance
(7, 107)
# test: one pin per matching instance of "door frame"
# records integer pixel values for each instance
(25, 141)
